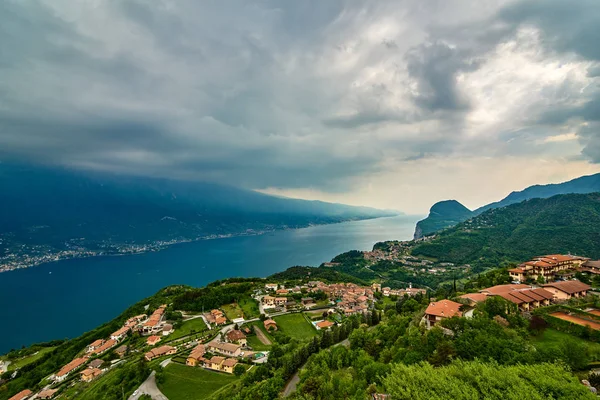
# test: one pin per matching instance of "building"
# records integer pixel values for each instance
(95, 345)
(120, 334)
(167, 329)
(196, 356)
(228, 365)
(153, 340)
(280, 301)
(270, 325)
(474, 298)
(547, 267)
(22, 395)
(220, 321)
(228, 349)
(271, 286)
(440, 310)
(590, 267)
(215, 363)
(89, 374)
(268, 301)
(153, 324)
(308, 301)
(105, 346)
(97, 363)
(525, 296)
(47, 393)
(236, 336)
(159, 352)
(70, 367)
(324, 325)
(121, 350)
(567, 289)
(376, 287)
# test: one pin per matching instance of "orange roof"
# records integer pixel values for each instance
(107, 345)
(91, 372)
(475, 297)
(220, 320)
(152, 340)
(504, 288)
(230, 362)
(569, 286)
(516, 270)
(217, 360)
(121, 331)
(74, 364)
(444, 308)
(560, 257)
(21, 395)
(47, 394)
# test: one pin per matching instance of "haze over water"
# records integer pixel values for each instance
(66, 298)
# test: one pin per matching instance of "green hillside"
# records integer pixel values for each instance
(442, 214)
(560, 224)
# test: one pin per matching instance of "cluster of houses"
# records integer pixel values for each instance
(386, 291)
(215, 317)
(216, 363)
(159, 352)
(553, 266)
(154, 323)
(524, 296)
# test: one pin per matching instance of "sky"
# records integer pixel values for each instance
(392, 104)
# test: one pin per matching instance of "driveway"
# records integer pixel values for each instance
(149, 387)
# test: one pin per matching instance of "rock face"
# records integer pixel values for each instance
(442, 214)
(445, 214)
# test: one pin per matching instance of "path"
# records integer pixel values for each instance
(261, 336)
(576, 320)
(149, 387)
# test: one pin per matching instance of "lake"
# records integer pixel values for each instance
(66, 298)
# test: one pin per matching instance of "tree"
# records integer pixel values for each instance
(239, 370)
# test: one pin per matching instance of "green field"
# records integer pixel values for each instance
(21, 362)
(250, 307)
(551, 338)
(256, 344)
(296, 326)
(182, 382)
(232, 311)
(195, 325)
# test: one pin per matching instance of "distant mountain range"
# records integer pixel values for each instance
(50, 211)
(448, 213)
(559, 224)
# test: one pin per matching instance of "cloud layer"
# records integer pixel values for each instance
(387, 103)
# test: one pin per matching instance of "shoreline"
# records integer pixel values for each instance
(162, 247)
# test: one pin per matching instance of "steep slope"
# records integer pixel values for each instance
(559, 224)
(62, 208)
(442, 214)
(584, 184)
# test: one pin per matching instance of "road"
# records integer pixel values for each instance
(149, 387)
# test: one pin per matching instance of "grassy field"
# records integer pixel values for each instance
(256, 344)
(250, 307)
(296, 326)
(21, 362)
(551, 338)
(195, 325)
(233, 311)
(182, 382)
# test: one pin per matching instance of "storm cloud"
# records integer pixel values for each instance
(296, 97)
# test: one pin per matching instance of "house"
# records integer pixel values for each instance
(216, 362)
(386, 291)
(474, 298)
(216, 313)
(229, 349)
(324, 325)
(590, 267)
(546, 267)
(268, 300)
(153, 340)
(167, 329)
(228, 365)
(270, 325)
(236, 336)
(97, 363)
(22, 395)
(107, 345)
(376, 287)
(282, 291)
(280, 301)
(89, 374)
(526, 297)
(308, 301)
(196, 356)
(159, 352)
(47, 393)
(70, 367)
(120, 334)
(439, 310)
(95, 345)
(121, 350)
(567, 289)
(271, 286)
(153, 323)
(220, 320)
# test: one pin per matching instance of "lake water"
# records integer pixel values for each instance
(66, 298)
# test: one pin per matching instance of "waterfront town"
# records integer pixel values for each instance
(227, 341)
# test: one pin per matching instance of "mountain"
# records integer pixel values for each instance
(50, 210)
(559, 224)
(442, 214)
(448, 217)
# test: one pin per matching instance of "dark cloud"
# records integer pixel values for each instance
(435, 68)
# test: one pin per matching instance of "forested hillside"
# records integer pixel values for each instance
(560, 224)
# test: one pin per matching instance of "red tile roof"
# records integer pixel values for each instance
(21, 395)
(569, 287)
(444, 308)
(74, 364)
